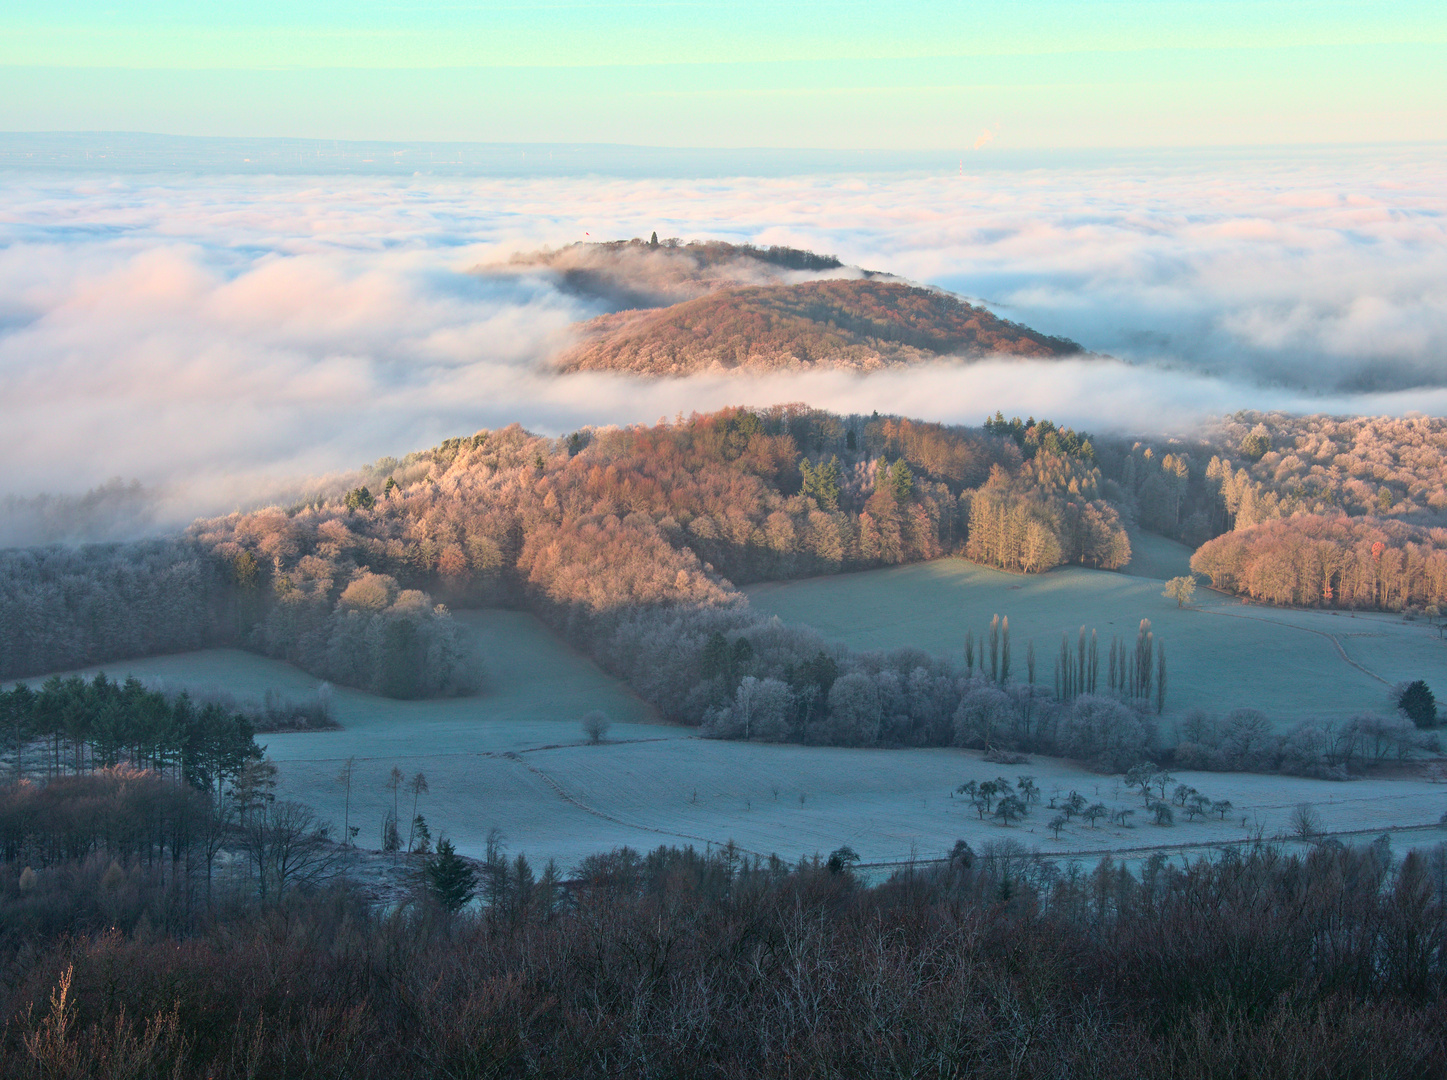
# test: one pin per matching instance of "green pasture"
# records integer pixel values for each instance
(538, 689)
(1220, 653)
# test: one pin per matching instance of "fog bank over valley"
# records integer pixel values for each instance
(213, 339)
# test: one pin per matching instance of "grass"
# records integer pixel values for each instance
(1220, 654)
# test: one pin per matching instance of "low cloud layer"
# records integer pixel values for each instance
(216, 338)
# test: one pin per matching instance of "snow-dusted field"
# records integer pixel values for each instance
(515, 759)
(1220, 653)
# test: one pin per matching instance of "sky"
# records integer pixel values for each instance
(955, 75)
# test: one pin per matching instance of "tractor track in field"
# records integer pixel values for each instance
(572, 800)
(1148, 849)
(1305, 630)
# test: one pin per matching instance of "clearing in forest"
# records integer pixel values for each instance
(1221, 654)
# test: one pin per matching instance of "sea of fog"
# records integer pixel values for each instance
(217, 333)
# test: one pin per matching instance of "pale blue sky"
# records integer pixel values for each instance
(797, 73)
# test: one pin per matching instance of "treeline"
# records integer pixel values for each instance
(63, 607)
(1253, 467)
(78, 725)
(676, 963)
(1332, 561)
(740, 676)
(1245, 740)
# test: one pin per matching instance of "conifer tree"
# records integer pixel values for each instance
(452, 881)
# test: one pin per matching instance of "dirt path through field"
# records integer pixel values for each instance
(572, 800)
(1305, 630)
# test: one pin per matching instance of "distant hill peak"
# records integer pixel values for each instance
(643, 274)
(859, 324)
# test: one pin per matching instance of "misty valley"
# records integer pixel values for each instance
(766, 740)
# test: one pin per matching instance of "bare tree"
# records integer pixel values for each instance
(596, 725)
(1305, 822)
(418, 785)
(288, 847)
(345, 777)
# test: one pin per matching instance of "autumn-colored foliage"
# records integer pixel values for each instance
(858, 324)
(1331, 561)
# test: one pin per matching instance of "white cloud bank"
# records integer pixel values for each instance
(214, 336)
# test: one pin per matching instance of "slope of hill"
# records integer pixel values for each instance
(860, 324)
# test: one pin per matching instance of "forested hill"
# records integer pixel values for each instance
(861, 324)
(592, 531)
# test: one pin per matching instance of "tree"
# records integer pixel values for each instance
(288, 847)
(595, 726)
(345, 777)
(1417, 701)
(1163, 812)
(1305, 822)
(16, 708)
(391, 835)
(450, 878)
(1094, 812)
(1057, 823)
(394, 785)
(418, 784)
(1140, 775)
(422, 836)
(1256, 445)
(854, 710)
(901, 480)
(359, 499)
(842, 859)
(1162, 779)
(1181, 590)
(1011, 808)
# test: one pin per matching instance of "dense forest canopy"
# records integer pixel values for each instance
(1314, 510)
(598, 532)
(858, 325)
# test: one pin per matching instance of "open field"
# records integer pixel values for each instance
(514, 758)
(1220, 653)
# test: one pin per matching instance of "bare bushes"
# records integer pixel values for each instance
(1244, 740)
(1107, 732)
(678, 963)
